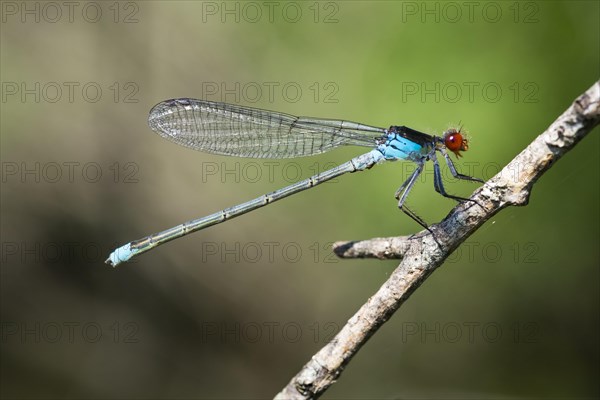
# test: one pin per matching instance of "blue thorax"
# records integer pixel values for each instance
(397, 147)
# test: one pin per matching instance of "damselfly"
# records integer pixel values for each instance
(233, 130)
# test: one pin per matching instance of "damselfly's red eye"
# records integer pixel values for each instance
(455, 141)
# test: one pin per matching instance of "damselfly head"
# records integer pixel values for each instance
(455, 141)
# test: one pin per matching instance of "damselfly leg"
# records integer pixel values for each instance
(404, 190)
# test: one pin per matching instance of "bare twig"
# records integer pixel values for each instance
(421, 254)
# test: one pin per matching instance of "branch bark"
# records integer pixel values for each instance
(421, 254)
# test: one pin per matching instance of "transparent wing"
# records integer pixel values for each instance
(228, 129)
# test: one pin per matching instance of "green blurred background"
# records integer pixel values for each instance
(236, 310)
